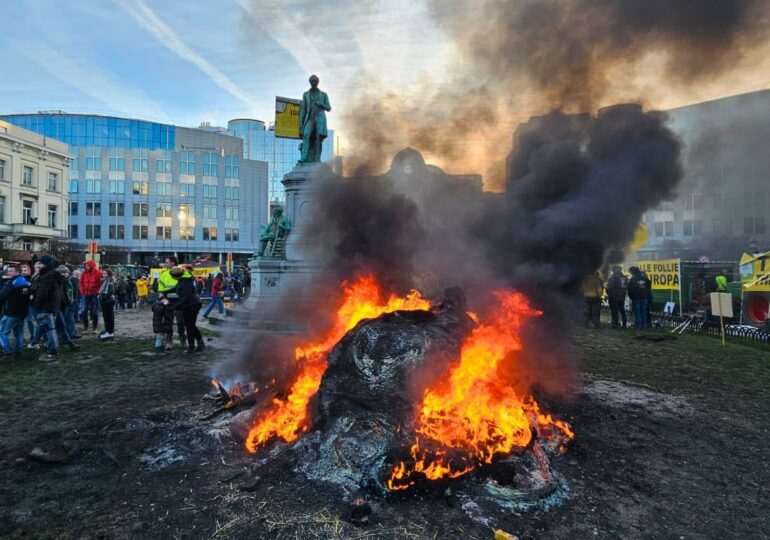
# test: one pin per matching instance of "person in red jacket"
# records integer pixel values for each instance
(217, 287)
(90, 282)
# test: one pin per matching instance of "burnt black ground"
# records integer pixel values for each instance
(692, 463)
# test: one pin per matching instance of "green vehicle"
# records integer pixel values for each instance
(697, 281)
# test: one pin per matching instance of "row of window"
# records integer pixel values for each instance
(141, 159)
(162, 189)
(28, 214)
(140, 232)
(694, 227)
(29, 176)
(162, 210)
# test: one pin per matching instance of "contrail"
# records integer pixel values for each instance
(166, 36)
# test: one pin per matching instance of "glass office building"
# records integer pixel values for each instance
(156, 189)
(261, 144)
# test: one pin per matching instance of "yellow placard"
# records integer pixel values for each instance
(287, 117)
(664, 273)
(755, 272)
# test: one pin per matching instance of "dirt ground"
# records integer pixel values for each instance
(671, 443)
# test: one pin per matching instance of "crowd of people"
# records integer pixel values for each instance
(637, 288)
(42, 304)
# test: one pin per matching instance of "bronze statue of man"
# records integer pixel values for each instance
(312, 121)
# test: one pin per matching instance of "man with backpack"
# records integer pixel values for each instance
(639, 288)
(617, 287)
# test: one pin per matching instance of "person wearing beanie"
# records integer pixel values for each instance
(107, 301)
(14, 297)
(47, 303)
(67, 300)
(188, 305)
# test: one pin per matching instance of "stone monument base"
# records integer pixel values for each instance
(276, 287)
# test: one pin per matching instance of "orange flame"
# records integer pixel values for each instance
(361, 299)
(475, 414)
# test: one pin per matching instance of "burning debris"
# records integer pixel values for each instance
(402, 393)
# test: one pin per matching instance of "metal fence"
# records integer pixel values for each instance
(699, 323)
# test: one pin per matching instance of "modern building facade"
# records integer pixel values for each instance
(260, 143)
(723, 205)
(34, 175)
(154, 189)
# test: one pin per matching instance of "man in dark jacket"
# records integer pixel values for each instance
(47, 303)
(188, 305)
(638, 291)
(617, 286)
(73, 310)
(90, 282)
(14, 297)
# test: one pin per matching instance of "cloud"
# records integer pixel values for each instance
(147, 18)
(84, 76)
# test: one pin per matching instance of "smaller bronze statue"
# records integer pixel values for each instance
(274, 233)
(312, 122)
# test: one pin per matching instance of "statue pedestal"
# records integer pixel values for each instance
(277, 285)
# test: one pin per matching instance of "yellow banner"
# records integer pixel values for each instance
(202, 271)
(664, 273)
(287, 117)
(755, 272)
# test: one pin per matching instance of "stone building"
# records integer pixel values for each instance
(34, 175)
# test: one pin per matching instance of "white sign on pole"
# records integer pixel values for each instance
(721, 304)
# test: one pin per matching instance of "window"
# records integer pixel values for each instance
(669, 228)
(187, 162)
(141, 210)
(93, 186)
(117, 159)
(117, 187)
(28, 176)
(139, 187)
(52, 211)
(163, 163)
(754, 225)
(210, 233)
(73, 208)
(93, 232)
(231, 166)
(53, 181)
(117, 232)
(186, 233)
(210, 164)
(93, 159)
(232, 188)
(187, 190)
(141, 157)
(117, 209)
(164, 188)
(163, 233)
(664, 228)
(139, 232)
(73, 185)
(2, 209)
(2, 169)
(692, 227)
(93, 209)
(163, 210)
(231, 235)
(27, 208)
(209, 211)
(231, 213)
(209, 189)
(74, 170)
(73, 230)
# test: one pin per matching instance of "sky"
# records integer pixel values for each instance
(189, 61)
(208, 60)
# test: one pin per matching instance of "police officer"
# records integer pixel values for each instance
(163, 310)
